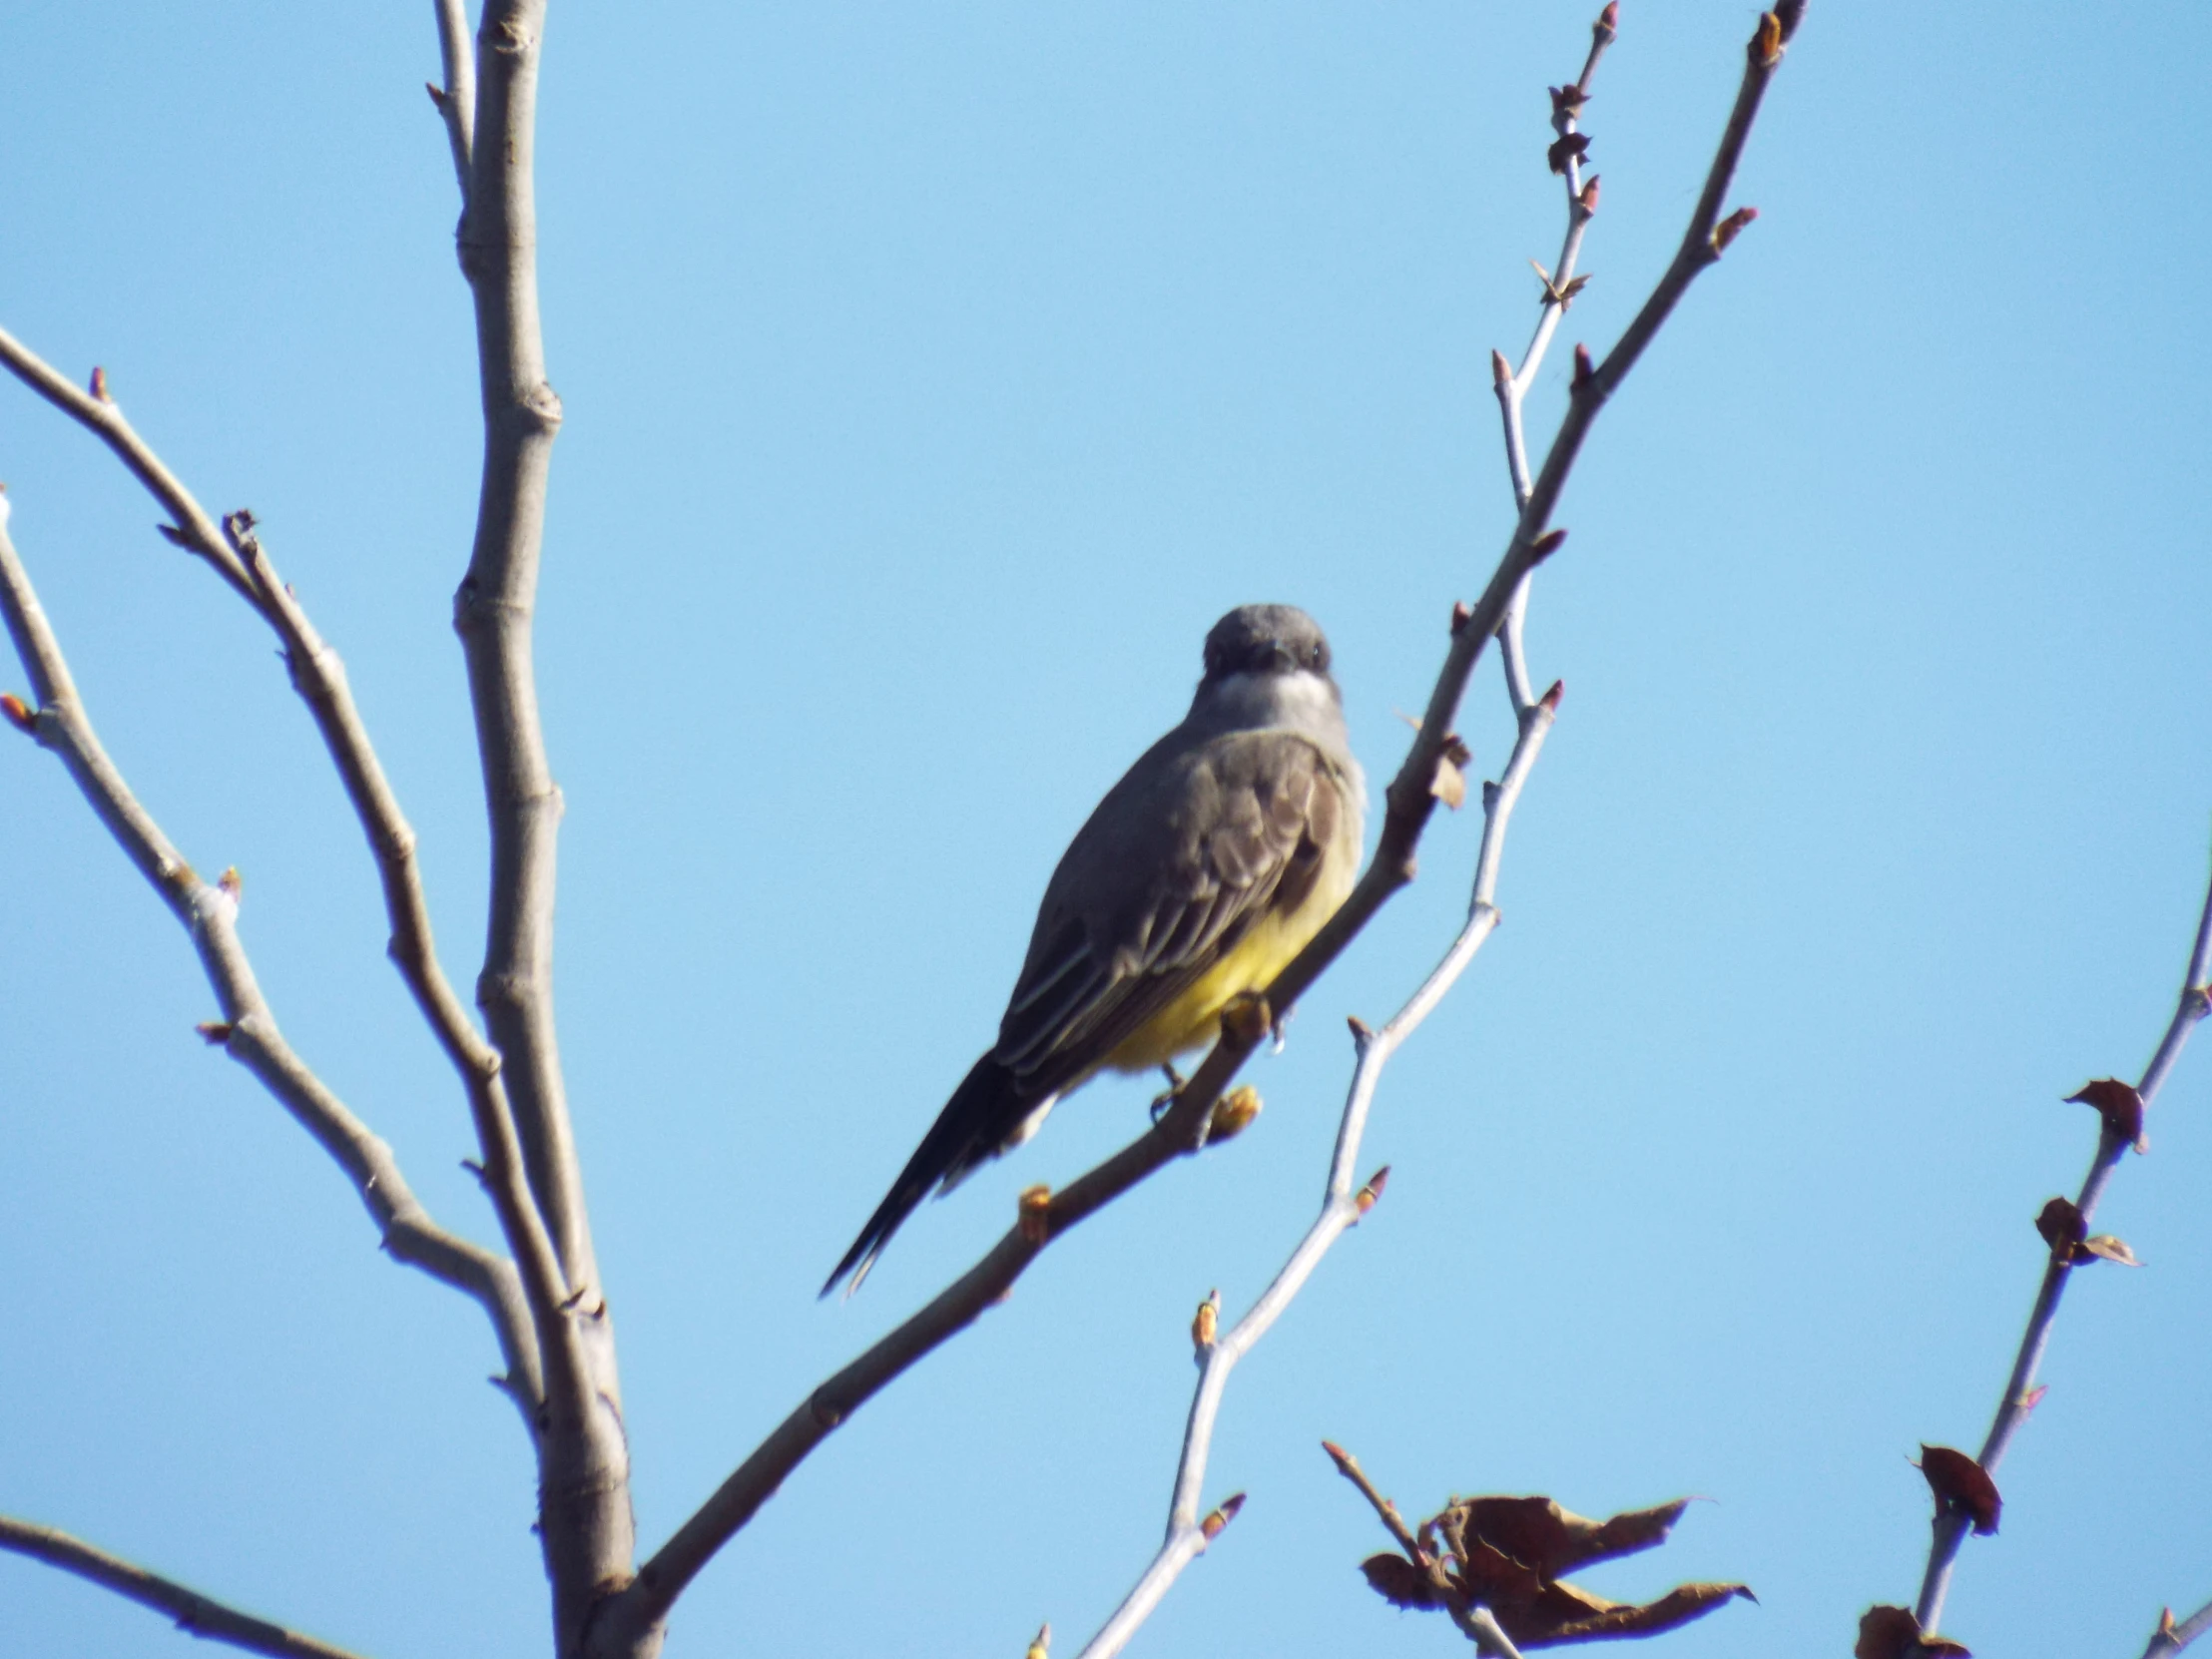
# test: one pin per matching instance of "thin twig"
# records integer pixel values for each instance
(248, 1029)
(456, 100)
(196, 1614)
(624, 1616)
(99, 413)
(2170, 1638)
(1950, 1522)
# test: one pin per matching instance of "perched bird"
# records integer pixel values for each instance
(1197, 880)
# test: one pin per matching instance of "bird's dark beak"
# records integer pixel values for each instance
(1281, 659)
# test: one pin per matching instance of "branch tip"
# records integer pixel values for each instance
(1607, 27)
(1584, 370)
(437, 95)
(1040, 1645)
(1361, 1032)
(174, 536)
(1551, 699)
(1789, 13)
(19, 713)
(1501, 375)
(100, 385)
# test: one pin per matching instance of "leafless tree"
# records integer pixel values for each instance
(540, 1290)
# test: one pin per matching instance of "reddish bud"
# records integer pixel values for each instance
(1729, 228)
(1545, 545)
(2033, 1397)
(1607, 27)
(1366, 1197)
(19, 713)
(1551, 699)
(1502, 371)
(214, 1032)
(437, 95)
(1584, 370)
(1460, 617)
(1211, 1526)
(100, 385)
(1588, 197)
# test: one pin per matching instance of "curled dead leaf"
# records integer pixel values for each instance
(1959, 1483)
(2119, 1105)
(1893, 1633)
(2063, 1228)
(1449, 784)
(1398, 1582)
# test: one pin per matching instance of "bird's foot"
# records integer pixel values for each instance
(1162, 1101)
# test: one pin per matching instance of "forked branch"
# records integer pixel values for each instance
(247, 1028)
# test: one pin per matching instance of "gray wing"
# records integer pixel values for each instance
(1178, 860)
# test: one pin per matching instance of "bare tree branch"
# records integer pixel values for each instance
(248, 1029)
(99, 413)
(1952, 1522)
(196, 1614)
(2170, 1638)
(456, 100)
(584, 1516)
(320, 677)
(624, 1617)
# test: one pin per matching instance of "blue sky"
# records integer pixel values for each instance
(935, 377)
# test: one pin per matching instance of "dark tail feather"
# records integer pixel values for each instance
(980, 1115)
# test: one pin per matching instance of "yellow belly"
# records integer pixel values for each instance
(1193, 1020)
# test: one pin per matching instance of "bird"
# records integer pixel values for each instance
(1194, 881)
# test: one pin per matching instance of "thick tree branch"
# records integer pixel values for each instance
(196, 1614)
(1952, 1522)
(625, 1618)
(248, 1029)
(584, 1517)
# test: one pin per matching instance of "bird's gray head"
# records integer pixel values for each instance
(1268, 666)
(1266, 639)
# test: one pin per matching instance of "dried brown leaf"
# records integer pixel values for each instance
(2119, 1105)
(1574, 145)
(2063, 1228)
(1893, 1633)
(1538, 1534)
(1672, 1610)
(1957, 1480)
(1398, 1582)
